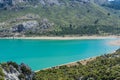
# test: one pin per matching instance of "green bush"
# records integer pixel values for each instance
(1, 74)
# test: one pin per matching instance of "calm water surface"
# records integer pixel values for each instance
(39, 54)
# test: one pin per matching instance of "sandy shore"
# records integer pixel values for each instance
(83, 62)
(63, 38)
(75, 63)
(115, 43)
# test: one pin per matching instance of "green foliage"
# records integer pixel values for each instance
(21, 77)
(1, 74)
(1, 78)
(106, 67)
(25, 70)
(14, 64)
(6, 66)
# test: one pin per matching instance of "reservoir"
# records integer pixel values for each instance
(40, 54)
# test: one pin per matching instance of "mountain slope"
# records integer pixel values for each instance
(58, 18)
(113, 4)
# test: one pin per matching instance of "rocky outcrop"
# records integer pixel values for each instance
(45, 2)
(31, 25)
(13, 71)
(24, 26)
(45, 24)
(4, 3)
(101, 1)
(50, 2)
(12, 74)
(12, 3)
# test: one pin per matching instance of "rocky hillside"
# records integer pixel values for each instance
(13, 71)
(100, 2)
(113, 4)
(43, 2)
(47, 2)
(57, 18)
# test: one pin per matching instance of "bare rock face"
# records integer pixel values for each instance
(50, 2)
(45, 24)
(100, 1)
(12, 74)
(47, 2)
(25, 26)
(25, 1)
(43, 2)
(13, 71)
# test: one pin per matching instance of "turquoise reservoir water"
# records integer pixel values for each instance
(39, 54)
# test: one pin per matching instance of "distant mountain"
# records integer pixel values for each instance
(101, 1)
(113, 4)
(57, 18)
(46, 2)
(5, 3)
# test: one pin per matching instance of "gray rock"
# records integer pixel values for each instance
(13, 74)
(50, 2)
(24, 26)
